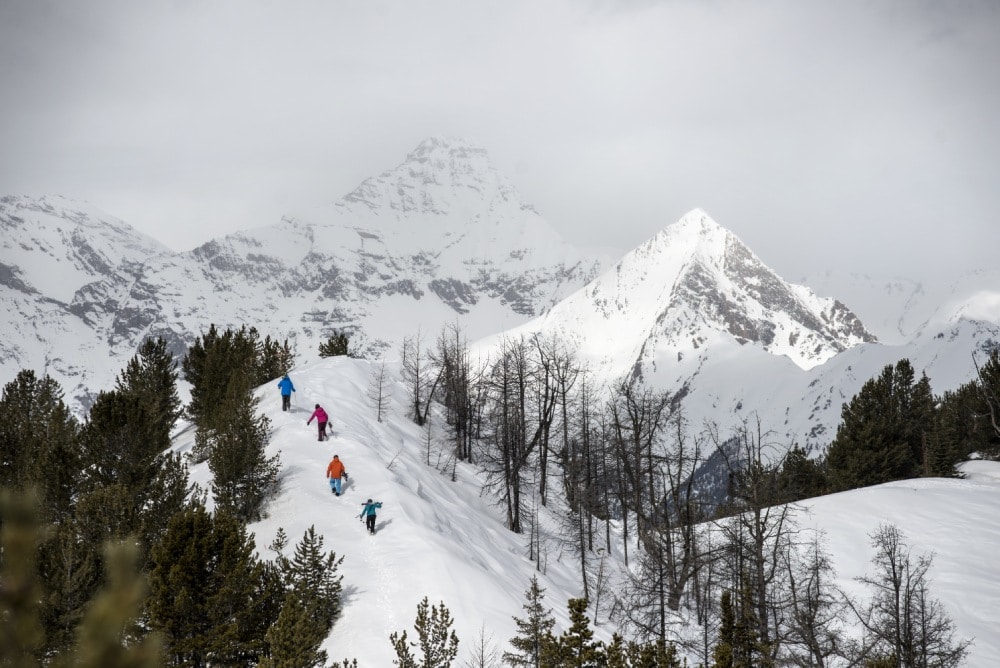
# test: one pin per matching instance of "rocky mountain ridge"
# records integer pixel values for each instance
(443, 238)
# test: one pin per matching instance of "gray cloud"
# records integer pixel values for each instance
(855, 135)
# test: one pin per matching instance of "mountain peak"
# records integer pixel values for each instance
(697, 217)
(694, 283)
(441, 175)
(450, 148)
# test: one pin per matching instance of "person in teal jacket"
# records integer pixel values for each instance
(369, 513)
(286, 387)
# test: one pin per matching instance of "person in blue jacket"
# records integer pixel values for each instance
(286, 387)
(369, 513)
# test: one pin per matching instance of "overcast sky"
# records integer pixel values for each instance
(854, 134)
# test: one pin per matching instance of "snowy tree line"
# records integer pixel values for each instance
(732, 581)
(627, 474)
(109, 555)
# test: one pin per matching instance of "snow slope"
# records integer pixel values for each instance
(435, 537)
(445, 540)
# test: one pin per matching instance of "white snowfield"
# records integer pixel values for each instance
(446, 539)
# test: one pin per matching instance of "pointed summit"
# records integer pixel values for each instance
(440, 176)
(692, 284)
(696, 236)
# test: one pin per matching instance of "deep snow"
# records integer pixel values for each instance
(446, 540)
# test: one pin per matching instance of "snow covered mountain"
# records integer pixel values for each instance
(683, 288)
(897, 309)
(693, 311)
(444, 238)
(441, 238)
(67, 273)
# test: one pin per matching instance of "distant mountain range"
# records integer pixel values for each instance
(444, 238)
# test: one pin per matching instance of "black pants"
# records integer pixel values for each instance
(322, 430)
(370, 523)
(286, 402)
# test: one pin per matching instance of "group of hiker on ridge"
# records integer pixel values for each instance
(286, 387)
(335, 470)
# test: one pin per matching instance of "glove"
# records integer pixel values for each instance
(345, 475)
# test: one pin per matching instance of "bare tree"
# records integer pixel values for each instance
(419, 376)
(815, 614)
(517, 415)
(989, 387)
(484, 653)
(758, 537)
(558, 371)
(378, 390)
(903, 626)
(681, 512)
(637, 416)
(672, 550)
(457, 388)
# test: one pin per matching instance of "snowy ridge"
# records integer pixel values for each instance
(440, 176)
(897, 309)
(693, 281)
(694, 312)
(442, 238)
(445, 540)
(435, 537)
(54, 247)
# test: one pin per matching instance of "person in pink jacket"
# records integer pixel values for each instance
(321, 419)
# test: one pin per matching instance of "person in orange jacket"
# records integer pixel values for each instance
(334, 472)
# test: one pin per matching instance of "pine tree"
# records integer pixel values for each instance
(108, 634)
(722, 655)
(151, 376)
(800, 477)
(312, 575)
(882, 430)
(533, 632)
(215, 359)
(243, 474)
(575, 648)
(168, 494)
(963, 423)
(21, 632)
(131, 483)
(294, 639)
(437, 642)
(38, 448)
(988, 377)
(335, 346)
(618, 653)
(119, 448)
(209, 595)
(208, 366)
(273, 359)
(941, 450)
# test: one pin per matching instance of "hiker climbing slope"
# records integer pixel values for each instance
(321, 419)
(286, 388)
(334, 472)
(368, 513)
